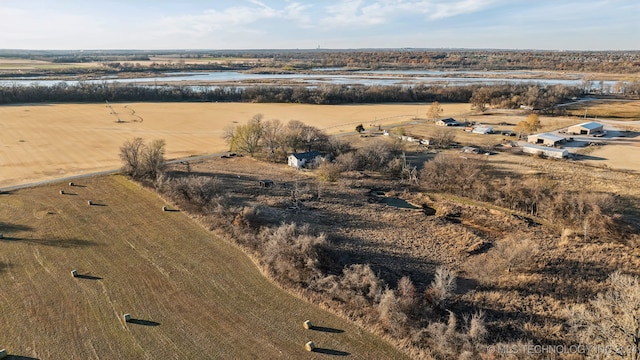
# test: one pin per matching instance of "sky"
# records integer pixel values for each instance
(329, 24)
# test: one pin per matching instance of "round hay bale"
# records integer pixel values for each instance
(307, 324)
(90, 202)
(70, 183)
(61, 192)
(309, 346)
(164, 208)
(127, 317)
(74, 273)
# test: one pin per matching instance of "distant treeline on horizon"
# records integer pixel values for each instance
(618, 61)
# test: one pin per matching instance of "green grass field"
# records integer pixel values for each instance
(194, 296)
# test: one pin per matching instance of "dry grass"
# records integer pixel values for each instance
(209, 299)
(48, 141)
(621, 109)
(26, 64)
(521, 297)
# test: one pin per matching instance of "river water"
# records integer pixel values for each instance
(316, 78)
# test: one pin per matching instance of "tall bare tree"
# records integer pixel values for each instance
(143, 161)
(246, 138)
(153, 158)
(434, 111)
(130, 154)
(272, 138)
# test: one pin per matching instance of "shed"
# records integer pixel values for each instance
(546, 151)
(547, 139)
(482, 129)
(298, 160)
(448, 122)
(588, 128)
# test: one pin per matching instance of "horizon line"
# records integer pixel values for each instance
(317, 49)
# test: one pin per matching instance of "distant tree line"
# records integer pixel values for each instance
(481, 96)
(584, 61)
(587, 61)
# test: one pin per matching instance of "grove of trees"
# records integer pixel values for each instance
(143, 161)
(276, 139)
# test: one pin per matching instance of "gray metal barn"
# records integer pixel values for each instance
(588, 128)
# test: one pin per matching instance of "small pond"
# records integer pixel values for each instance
(399, 203)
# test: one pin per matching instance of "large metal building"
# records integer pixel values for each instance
(547, 139)
(588, 128)
(545, 151)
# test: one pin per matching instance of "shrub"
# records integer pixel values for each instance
(198, 190)
(328, 172)
(442, 287)
(291, 253)
(391, 316)
(612, 318)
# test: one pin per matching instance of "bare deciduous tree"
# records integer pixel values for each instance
(131, 153)
(272, 137)
(612, 319)
(153, 158)
(434, 111)
(442, 286)
(443, 137)
(143, 161)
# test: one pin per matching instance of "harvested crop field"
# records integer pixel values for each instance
(49, 141)
(189, 294)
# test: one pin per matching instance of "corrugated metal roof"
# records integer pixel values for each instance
(590, 125)
(550, 136)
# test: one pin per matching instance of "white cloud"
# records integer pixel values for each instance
(361, 13)
(453, 8)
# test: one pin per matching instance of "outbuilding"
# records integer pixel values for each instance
(482, 129)
(448, 122)
(547, 139)
(545, 151)
(588, 128)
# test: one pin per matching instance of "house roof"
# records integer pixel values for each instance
(549, 136)
(306, 155)
(449, 121)
(592, 125)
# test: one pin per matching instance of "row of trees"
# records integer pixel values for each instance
(504, 95)
(512, 96)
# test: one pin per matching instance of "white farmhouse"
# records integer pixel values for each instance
(299, 160)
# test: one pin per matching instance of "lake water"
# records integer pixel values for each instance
(362, 77)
